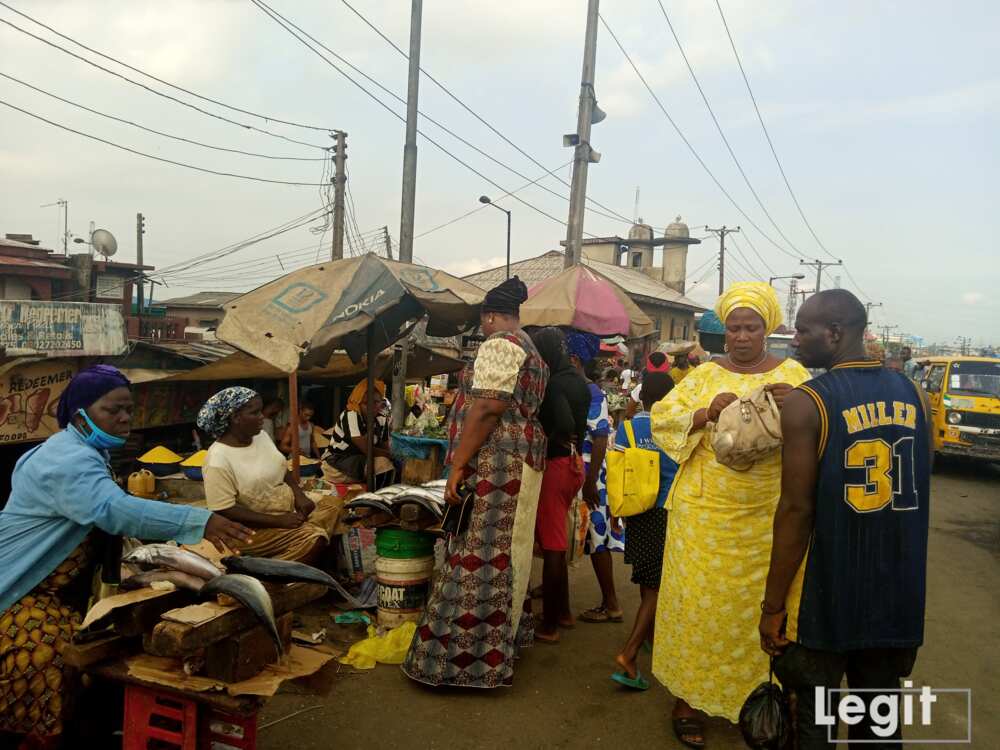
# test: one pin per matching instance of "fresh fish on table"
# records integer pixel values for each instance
(179, 578)
(278, 571)
(251, 594)
(152, 556)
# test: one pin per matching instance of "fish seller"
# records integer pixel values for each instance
(248, 481)
(61, 491)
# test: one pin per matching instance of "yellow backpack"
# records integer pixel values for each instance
(633, 478)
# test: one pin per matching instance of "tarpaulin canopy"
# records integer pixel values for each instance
(298, 321)
(581, 298)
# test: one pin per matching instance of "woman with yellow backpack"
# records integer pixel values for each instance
(639, 478)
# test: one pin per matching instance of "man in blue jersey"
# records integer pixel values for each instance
(846, 586)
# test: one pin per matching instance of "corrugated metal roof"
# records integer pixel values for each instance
(203, 299)
(636, 284)
(18, 260)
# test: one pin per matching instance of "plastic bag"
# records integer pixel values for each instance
(764, 718)
(390, 648)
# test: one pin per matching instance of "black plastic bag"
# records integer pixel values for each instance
(764, 718)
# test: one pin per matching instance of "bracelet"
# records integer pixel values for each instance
(770, 610)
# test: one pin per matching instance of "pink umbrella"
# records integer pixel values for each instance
(581, 298)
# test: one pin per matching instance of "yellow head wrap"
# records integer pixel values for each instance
(359, 396)
(754, 295)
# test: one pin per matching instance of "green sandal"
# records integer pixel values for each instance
(639, 683)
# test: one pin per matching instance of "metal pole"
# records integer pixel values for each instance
(722, 260)
(339, 182)
(65, 228)
(410, 149)
(508, 244)
(388, 243)
(409, 197)
(581, 155)
(819, 276)
(140, 229)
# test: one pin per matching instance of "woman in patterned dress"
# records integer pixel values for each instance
(473, 626)
(61, 491)
(707, 648)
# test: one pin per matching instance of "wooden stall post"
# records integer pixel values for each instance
(293, 407)
(372, 418)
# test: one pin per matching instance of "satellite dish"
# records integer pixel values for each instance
(104, 242)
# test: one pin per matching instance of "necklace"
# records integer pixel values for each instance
(746, 368)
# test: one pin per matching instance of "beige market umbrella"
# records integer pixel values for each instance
(361, 305)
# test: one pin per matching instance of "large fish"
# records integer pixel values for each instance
(179, 578)
(152, 556)
(277, 571)
(251, 594)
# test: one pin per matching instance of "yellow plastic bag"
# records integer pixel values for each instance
(390, 648)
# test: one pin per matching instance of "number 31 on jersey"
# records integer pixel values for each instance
(888, 475)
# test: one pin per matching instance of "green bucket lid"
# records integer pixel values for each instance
(402, 544)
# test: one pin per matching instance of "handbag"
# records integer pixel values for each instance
(633, 478)
(747, 430)
(456, 517)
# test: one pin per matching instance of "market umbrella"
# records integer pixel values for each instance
(581, 298)
(361, 305)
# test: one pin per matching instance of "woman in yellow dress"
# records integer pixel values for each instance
(707, 650)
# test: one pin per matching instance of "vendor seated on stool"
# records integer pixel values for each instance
(307, 433)
(349, 439)
(247, 480)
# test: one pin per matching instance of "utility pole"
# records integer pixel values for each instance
(820, 265)
(964, 342)
(140, 229)
(583, 154)
(868, 312)
(339, 183)
(721, 233)
(885, 335)
(64, 205)
(406, 214)
(410, 151)
(388, 243)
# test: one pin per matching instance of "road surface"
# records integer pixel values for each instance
(563, 698)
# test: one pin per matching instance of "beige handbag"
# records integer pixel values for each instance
(747, 430)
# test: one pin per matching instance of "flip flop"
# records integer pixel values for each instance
(687, 727)
(639, 683)
(601, 614)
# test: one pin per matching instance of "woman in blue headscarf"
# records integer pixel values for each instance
(61, 491)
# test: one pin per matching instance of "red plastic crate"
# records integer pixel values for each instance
(158, 721)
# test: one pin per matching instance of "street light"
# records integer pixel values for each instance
(799, 276)
(486, 199)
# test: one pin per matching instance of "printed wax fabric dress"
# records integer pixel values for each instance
(34, 679)
(707, 648)
(473, 626)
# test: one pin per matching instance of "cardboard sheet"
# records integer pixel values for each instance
(104, 607)
(195, 614)
(298, 662)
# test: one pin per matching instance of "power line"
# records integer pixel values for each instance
(759, 256)
(154, 91)
(160, 80)
(279, 19)
(616, 214)
(767, 135)
(687, 143)
(157, 158)
(725, 140)
(157, 132)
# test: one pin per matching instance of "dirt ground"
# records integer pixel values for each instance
(563, 698)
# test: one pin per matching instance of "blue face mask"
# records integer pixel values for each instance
(98, 438)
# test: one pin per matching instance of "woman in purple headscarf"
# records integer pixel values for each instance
(62, 490)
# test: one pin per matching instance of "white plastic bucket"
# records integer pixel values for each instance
(403, 586)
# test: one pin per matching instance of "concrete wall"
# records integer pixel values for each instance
(671, 323)
(195, 315)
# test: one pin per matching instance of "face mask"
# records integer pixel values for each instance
(98, 438)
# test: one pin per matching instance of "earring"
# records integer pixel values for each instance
(725, 348)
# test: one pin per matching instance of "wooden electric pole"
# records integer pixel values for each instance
(721, 233)
(140, 229)
(339, 184)
(820, 265)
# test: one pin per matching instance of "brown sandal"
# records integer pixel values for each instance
(601, 614)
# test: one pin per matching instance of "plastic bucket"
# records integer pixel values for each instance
(403, 585)
(401, 544)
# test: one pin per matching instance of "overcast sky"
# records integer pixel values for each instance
(884, 116)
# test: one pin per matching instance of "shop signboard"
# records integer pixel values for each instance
(29, 395)
(60, 329)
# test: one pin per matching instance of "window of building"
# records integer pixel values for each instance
(109, 286)
(636, 260)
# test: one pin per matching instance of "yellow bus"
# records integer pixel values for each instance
(964, 394)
